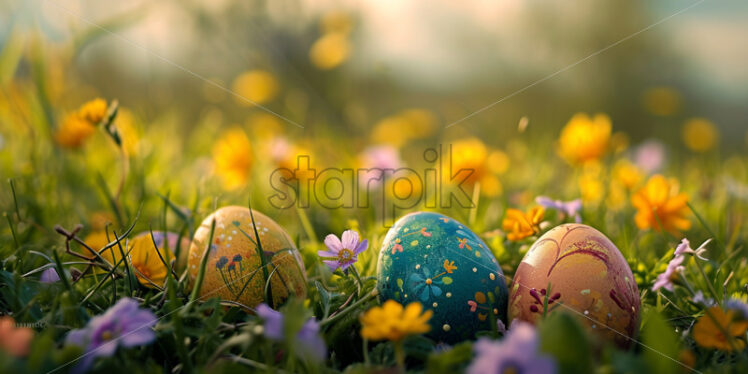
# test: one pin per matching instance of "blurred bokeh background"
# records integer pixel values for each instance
(335, 78)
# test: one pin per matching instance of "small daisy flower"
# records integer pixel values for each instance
(342, 252)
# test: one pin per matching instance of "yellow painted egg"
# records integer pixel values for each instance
(586, 274)
(235, 270)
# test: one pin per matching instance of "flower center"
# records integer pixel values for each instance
(429, 281)
(345, 255)
(106, 335)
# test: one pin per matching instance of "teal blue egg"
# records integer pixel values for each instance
(432, 259)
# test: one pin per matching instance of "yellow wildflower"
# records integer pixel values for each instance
(233, 158)
(329, 51)
(659, 203)
(258, 86)
(125, 124)
(709, 335)
(74, 131)
(471, 154)
(93, 111)
(590, 182)
(408, 124)
(585, 139)
(149, 269)
(700, 134)
(393, 322)
(627, 174)
(662, 101)
(520, 225)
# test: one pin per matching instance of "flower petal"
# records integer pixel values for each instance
(349, 239)
(333, 243)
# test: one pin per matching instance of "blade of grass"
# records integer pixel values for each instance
(203, 265)
(263, 259)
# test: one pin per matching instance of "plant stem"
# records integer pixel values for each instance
(307, 225)
(374, 293)
(708, 282)
(400, 356)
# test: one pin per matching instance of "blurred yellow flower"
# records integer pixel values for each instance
(627, 174)
(471, 154)
(125, 124)
(700, 134)
(519, 225)
(329, 51)
(659, 203)
(709, 335)
(232, 155)
(403, 189)
(93, 111)
(404, 126)
(393, 322)
(74, 131)
(337, 22)
(591, 188)
(585, 139)
(662, 101)
(264, 125)
(258, 86)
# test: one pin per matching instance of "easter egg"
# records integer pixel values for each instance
(434, 260)
(235, 270)
(149, 268)
(587, 275)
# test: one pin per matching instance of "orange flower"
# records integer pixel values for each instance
(709, 335)
(73, 131)
(14, 340)
(449, 266)
(659, 203)
(519, 225)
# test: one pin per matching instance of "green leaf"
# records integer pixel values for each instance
(662, 341)
(557, 331)
(324, 297)
(447, 280)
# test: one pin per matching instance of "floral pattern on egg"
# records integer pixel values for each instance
(586, 273)
(434, 260)
(234, 270)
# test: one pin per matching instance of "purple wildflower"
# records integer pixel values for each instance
(50, 276)
(518, 351)
(650, 156)
(124, 325)
(342, 253)
(685, 248)
(310, 343)
(665, 280)
(738, 305)
(698, 298)
(568, 208)
(273, 322)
